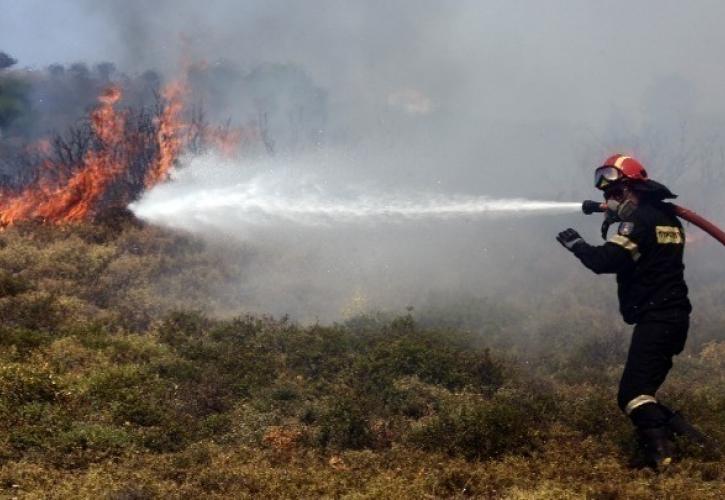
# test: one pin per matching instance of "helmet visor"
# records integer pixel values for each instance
(603, 176)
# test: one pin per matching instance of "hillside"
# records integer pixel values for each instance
(124, 376)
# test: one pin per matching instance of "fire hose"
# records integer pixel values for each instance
(590, 207)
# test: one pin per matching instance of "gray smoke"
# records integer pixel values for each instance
(500, 99)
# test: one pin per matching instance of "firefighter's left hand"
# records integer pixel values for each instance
(569, 238)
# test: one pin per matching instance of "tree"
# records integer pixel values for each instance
(13, 94)
(6, 60)
(14, 100)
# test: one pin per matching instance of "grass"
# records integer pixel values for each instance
(114, 383)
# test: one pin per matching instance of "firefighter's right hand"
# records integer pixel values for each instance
(569, 238)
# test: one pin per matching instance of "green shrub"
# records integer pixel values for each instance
(12, 285)
(172, 437)
(33, 425)
(21, 384)
(31, 310)
(97, 439)
(133, 491)
(591, 410)
(131, 394)
(66, 355)
(139, 349)
(317, 352)
(415, 399)
(478, 428)
(216, 425)
(22, 339)
(180, 326)
(344, 424)
(435, 357)
(107, 370)
(176, 369)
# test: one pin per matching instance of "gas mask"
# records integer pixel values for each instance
(620, 207)
(621, 211)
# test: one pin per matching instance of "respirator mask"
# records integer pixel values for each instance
(620, 207)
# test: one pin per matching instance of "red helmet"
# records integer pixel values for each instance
(619, 168)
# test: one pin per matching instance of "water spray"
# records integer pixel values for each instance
(273, 198)
(589, 207)
(319, 212)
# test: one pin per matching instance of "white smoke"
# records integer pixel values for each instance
(325, 244)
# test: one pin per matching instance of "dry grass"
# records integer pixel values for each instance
(113, 386)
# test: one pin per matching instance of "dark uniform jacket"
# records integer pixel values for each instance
(646, 255)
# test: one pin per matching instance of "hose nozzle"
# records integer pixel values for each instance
(589, 207)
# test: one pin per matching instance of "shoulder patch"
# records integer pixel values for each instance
(626, 228)
(669, 235)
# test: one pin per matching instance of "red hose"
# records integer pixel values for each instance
(700, 222)
(590, 207)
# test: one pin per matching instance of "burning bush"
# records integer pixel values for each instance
(135, 132)
(105, 162)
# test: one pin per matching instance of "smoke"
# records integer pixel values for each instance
(393, 109)
(327, 245)
(493, 93)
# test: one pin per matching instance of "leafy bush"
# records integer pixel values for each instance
(344, 424)
(20, 384)
(479, 428)
(23, 340)
(117, 378)
(11, 285)
(130, 394)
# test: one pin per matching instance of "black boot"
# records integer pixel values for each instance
(658, 447)
(683, 428)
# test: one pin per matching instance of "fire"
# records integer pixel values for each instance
(169, 135)
(227, 140)
(67, 193)
(75, 198)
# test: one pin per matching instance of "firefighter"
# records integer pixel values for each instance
(646, 255)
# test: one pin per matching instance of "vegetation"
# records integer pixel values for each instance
(14, 100)
(116, 383)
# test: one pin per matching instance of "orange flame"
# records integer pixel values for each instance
(225, 140)
(78, 196)
(170, 129)
(61, 197)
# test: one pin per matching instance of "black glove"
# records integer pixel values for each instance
(608, 221)
(569, 238)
